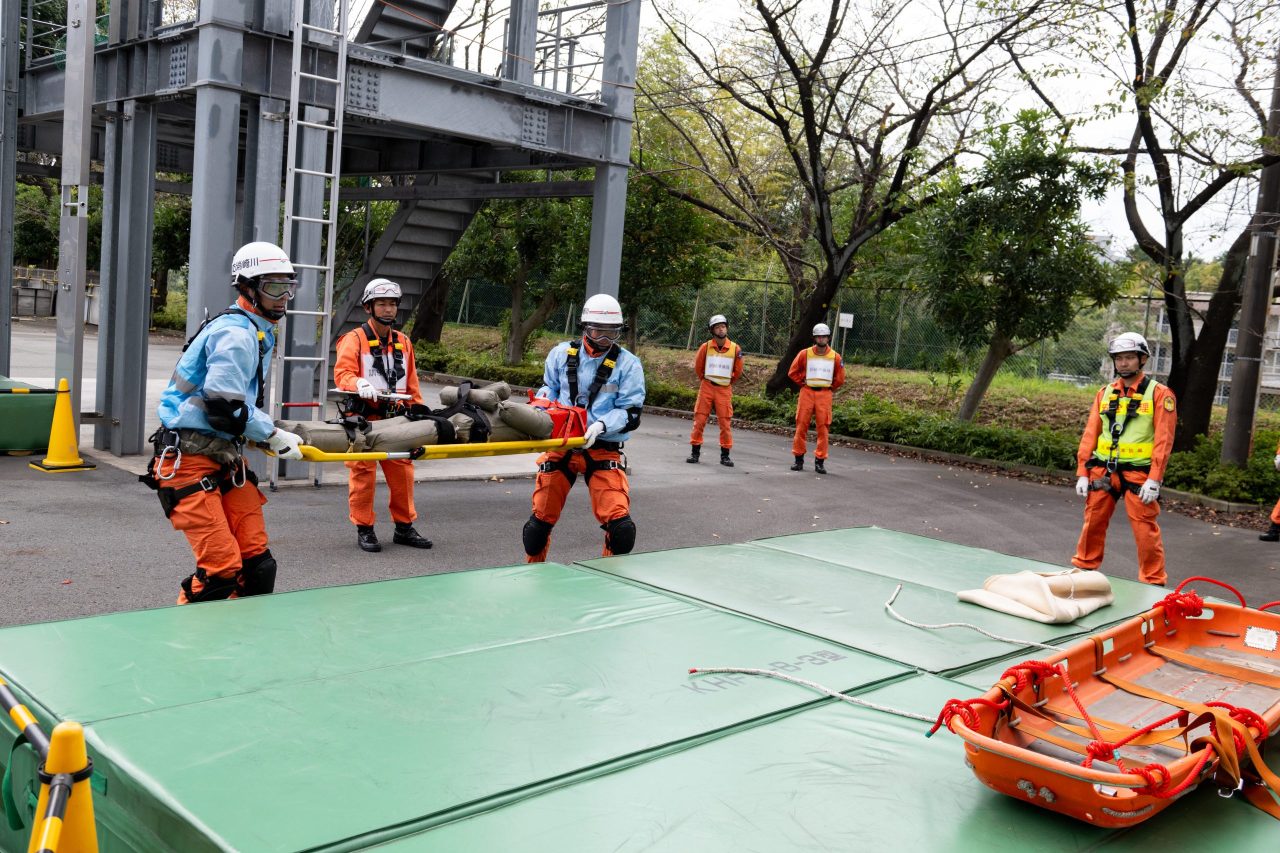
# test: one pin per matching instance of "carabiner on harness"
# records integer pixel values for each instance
(168, 451)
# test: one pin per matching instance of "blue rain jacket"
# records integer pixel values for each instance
(624, 390)
(221, 362)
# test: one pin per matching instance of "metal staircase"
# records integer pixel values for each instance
(409, 27)
(412, 250)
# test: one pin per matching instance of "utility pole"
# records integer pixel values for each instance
(1237, 435)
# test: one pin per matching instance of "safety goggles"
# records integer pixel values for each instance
(279, 288)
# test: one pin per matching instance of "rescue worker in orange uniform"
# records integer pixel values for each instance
(718, 364)
(819, 371)
(599, 375)
(373, 360)
(1273, 532)
(213, 404)
(1122, 455)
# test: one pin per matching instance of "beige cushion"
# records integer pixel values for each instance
(1052, 597)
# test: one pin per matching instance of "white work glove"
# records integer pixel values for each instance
(1082, 487)
(365, 389)
(285, 444)
(593, 432)
(1278, 461)
(1150, 491)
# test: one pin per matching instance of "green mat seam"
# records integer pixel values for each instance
(588, 773)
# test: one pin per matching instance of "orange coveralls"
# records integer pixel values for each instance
(609, 490)
(1100, 504)
(1275, 513)
(814, 403)
(224, 530)
(714, 396)
(353, 362)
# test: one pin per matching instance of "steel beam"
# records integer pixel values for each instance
(213, 203)
(535, 189)
(124, 297)
(609, 205)
(73, 224)
(522, 37)
(9, 49)
(264, 170)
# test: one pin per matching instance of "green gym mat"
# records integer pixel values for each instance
(833, 778)
(549, 707)
(835, 586)
(334, 718)
(944, 565)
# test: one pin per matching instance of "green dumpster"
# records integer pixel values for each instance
(26, 414)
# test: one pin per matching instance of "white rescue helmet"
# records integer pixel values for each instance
(380, 288)
(716, 320)
(259, 258)
(1129, 342)
(601, 310)
(821, 329)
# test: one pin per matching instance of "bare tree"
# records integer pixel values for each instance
(815, 125)
(1186, 73)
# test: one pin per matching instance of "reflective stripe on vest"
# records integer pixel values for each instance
(1138, 436)
(719, 366)
(820, 370)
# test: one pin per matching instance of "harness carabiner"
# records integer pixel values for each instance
(164, 454)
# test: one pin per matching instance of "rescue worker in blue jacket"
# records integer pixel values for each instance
(213, 405)
(599, 375)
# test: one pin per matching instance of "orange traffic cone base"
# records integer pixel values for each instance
(64, 453)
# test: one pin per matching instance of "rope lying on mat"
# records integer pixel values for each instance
(888, 605)
(812, 685)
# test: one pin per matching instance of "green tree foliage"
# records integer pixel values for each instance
(539, 249)
(1009, 263)
(530, 245)
(35, 226)
(170, 243)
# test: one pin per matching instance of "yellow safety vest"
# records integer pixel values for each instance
(718, 368)
(820, 370)
(1135, 416)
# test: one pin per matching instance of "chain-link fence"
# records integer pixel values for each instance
(887, 328)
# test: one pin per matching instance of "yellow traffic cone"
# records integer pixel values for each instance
(64, 451)
(69, 824)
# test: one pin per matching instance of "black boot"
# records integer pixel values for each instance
(799, 466)
(818, 466)
(1272, 534)
(406, 535)
(724, 458)
(367, 539)
(693, 454)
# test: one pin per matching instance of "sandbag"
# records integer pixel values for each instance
(394, 435)
(505, 432)
(329, 438)
(486, 398)
(529, 420)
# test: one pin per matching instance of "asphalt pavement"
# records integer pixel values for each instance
(74, 544)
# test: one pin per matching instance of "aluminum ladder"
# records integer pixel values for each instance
(319, 32)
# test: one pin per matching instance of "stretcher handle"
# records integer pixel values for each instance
(440, 451)
(382, 395)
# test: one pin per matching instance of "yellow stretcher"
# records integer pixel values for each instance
(442, 451)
